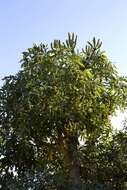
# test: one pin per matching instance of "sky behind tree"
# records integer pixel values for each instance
(25, 22)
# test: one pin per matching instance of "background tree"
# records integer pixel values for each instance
(118, 159)
(59, 98)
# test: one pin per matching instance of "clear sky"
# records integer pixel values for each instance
(24, 22)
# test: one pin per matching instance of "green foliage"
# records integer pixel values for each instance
(59, 96)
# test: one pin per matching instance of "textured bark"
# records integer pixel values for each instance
(68, 145)
(74, 181)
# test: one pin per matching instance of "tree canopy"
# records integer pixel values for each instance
(60, 97)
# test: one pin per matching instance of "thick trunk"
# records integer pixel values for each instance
(74, 181)
(68, 146)
(74, 178)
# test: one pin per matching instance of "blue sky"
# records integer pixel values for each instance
(24, 22)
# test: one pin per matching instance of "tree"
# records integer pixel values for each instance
(118, 159)
(59, 98)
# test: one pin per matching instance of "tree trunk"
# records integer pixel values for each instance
(74, 180)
